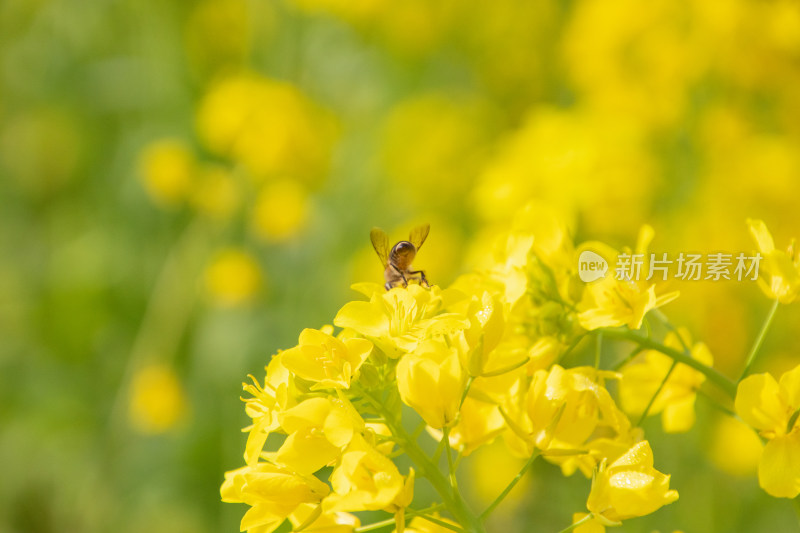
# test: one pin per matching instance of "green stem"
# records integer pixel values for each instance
(571, 347)
(598, 348)
(667, 324)
(510, 486)
(686, 350)
(715, 403)
(628, 358)
(713, 375)
(658, 391)
(442, 523)
(451, 499)
(439, 449)
(418, 431)
(578, 523)
(760, 339)
(449, 451)
(792, 421)
(505, 369)
(410, 513)
(466, 391)
(168, 311)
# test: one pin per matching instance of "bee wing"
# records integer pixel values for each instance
(380, 241)
(418, 235)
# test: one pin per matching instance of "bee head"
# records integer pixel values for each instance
(404, 252)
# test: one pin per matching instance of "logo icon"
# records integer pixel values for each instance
(591, 266)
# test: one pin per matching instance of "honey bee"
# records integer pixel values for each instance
(397, 261)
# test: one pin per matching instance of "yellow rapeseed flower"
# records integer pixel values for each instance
(638, 67)
(331, 522)
(783, 267)
(731, 434)
(268, 126)
(494, 467)
(233, 277)
(266, 404)
(628, 487)
(487, 325)
(578, 162)
(280, 211)
(567, 409)
(327, 361)
(364, 479)
(396, 320)
(772, 408)
(621, 301)
(318, 430)
(167, 168)
(577, 403)
(431, 381)
(157, 399)
(273, 494)
(479, 422)
(644, 375)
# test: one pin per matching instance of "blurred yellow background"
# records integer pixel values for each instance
(185, 185)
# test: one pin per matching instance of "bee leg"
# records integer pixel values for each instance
(387, 286)
(422, 278)
(405, 281)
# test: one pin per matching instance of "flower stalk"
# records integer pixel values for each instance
(751, 356)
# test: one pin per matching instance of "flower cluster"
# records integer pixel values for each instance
(493, 357)
(490, 357)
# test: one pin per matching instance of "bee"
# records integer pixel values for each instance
(397, 261)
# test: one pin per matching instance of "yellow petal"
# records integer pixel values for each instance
(732, 434)
(785, 282)
(779, 469)
(761, 234)
(231, 489)
(262, 517)
(300, 361)
(758, 403)
(358, 351)
(339, 427)
(596, 318)
(368, 288)
(639, 454)
(362, 317)
(790, 387)
(417, 382)
(255, 443)
(678, 416)
(314, 336)
(306, 451)
(310, 413)
(666, 298)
